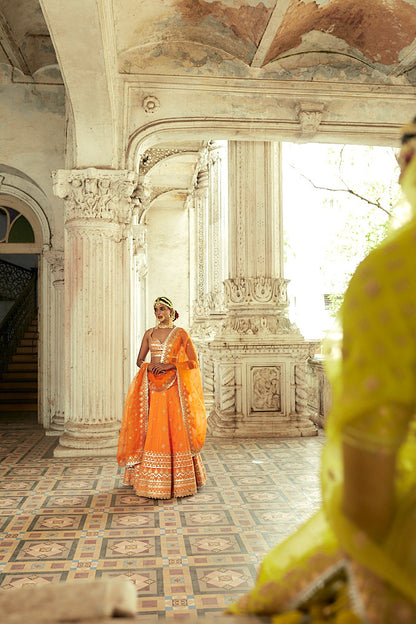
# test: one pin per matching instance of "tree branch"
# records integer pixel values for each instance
(346, 190)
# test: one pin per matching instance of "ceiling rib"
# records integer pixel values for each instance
(10, 47)
(269, 34)
(407, 62)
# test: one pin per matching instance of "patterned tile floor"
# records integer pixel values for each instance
(67, 519)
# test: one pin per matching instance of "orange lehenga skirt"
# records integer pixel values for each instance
(163, 431)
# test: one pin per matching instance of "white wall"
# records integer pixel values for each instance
(168, 261)
(32, 139)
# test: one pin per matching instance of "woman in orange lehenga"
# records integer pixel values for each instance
(164, 421)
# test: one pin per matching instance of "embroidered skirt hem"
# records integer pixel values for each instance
(168, 476)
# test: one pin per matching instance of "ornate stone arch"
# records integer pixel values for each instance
(25, 196)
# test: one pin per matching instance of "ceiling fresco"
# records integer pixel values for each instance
(274, 39)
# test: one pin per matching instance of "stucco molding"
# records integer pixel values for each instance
(278, 122)
(104, 195)
(245, 290)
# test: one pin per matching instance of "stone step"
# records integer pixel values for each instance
(18, 407)
(20, 375)
(18, 395)
(25, 357)
(26, 342)
(30, 350)
(10, 386)
(22, 366)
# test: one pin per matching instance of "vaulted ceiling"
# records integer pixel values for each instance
(232, 38)
(281, 38)
(25, 43)
(298, 41)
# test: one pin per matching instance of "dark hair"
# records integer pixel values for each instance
(168, 303)
(409, 135)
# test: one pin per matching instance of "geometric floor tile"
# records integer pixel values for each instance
(126, 547)
(208, 544)
(63, 519)
(225, 578)
(50, 550)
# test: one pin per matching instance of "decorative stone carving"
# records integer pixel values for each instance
(258, 326)
(212, 303)
(255, 389)
(266, 388)
(319, 391)
(96, 194)
(228, 387)
(55, 260)
(139, 239)
(154, 155)
(301, 395)
(310, 117)
(140, 250)
(244, 290)
(150, 104)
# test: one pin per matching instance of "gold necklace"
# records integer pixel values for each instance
(164, 326)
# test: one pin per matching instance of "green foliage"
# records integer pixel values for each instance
(339, 203)
(367, 206)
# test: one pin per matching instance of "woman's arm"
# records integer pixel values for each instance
(191, 354)
(368, 495)
(144, 349)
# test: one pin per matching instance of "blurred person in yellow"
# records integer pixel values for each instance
(355, 560)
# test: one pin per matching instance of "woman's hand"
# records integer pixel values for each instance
(157, 368)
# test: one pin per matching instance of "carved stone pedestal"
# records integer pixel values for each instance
(258, 389)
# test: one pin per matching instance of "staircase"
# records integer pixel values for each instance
(19, 383)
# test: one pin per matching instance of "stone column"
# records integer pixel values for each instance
(98, 213)
(209, 232)
(200, 207)
(138, 288)
(53, 379)
(257, 359)
(209, 235)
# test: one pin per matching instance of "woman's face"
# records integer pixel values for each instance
(162, 312)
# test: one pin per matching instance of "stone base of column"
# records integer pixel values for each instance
(270, 426)
(57, 426)
(88, 440)
(258, 388)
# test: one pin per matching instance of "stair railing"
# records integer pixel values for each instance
(16, 322)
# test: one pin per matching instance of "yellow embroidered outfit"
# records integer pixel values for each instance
(374, 404)
(164, 423)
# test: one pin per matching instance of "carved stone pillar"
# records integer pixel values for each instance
(201, 236)
(98, 212)
(257, 358)
(140, 269)
(209, 234)
(53, 381)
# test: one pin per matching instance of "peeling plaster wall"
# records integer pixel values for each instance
(32, 139)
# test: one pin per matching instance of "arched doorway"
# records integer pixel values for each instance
(24, 232)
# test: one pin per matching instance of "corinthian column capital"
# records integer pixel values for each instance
(92, 194)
